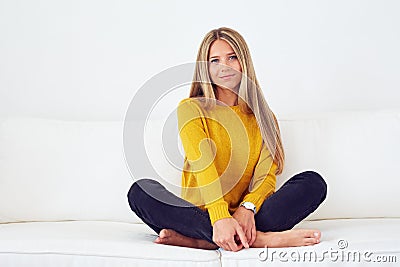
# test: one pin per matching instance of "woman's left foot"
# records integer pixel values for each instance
(288, 238)
(170, 237)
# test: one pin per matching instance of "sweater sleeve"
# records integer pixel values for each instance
(200, 154)
(264, 179)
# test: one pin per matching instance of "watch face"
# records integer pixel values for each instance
(249, 206)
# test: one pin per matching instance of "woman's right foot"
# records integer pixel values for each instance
(289, 238)
(173, 238)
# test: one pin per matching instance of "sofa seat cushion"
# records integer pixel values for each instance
(92, 243)
(348, 237)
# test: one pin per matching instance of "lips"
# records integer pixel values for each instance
(227, 76)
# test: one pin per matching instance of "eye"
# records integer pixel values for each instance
(214, 60)
(232, 57)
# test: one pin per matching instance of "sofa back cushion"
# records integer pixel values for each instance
(357, 154)
(75, 170)
(62, 170)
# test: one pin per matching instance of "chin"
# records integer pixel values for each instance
(230, 86)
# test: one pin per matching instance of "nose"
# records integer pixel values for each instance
(224, 66)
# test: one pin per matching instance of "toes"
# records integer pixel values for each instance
(164, 241)
(311, 241)
(161, 240)
(309, 244)
(308, 233)
(312, 233)
(164, 233)
(317, 234)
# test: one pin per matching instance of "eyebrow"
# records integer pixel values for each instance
(231, 53)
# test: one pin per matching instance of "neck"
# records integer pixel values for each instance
(227, 96)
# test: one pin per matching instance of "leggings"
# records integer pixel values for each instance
(294, 201)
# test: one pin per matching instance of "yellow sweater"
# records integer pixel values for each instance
(226, 161)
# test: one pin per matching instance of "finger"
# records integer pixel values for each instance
(226, 247)
(228, 244)
(234, 247)
(234, 243)
(219, 244)
(242, 237)
(248, 235)
(253, 235)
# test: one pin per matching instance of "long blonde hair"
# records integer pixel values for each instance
(250, 98)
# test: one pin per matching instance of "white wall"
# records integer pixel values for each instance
(84, 59)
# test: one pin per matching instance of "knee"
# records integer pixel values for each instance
(316, 183)
(138, 192)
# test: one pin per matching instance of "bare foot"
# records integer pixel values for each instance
(170, 237)
(289, 238)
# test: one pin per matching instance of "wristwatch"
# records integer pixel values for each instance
(249, 206)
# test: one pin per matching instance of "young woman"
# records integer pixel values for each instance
(233, 152)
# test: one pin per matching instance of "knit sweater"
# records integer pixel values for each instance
(226, 161)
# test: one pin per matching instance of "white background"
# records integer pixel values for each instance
(85, 59)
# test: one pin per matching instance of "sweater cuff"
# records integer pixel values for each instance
(218, 211)
(256, 199)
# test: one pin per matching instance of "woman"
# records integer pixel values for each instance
(233, 153)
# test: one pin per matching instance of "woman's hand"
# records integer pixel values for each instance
(245, 218)
(225, 231)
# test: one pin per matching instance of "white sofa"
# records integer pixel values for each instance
(63, 187)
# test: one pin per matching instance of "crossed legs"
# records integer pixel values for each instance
(180, 223)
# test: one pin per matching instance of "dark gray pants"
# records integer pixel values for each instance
(160, 209)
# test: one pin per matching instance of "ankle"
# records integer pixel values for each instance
(204, 244)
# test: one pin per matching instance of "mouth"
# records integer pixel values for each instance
(227, 76)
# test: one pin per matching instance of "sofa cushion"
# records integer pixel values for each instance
(87, 244)
(75, 170)
(62, 170)
(357, 154)
(345, 242)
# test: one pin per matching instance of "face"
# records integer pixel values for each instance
(224, 67)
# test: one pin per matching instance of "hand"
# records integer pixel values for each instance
(245, 218)
(224, 233)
